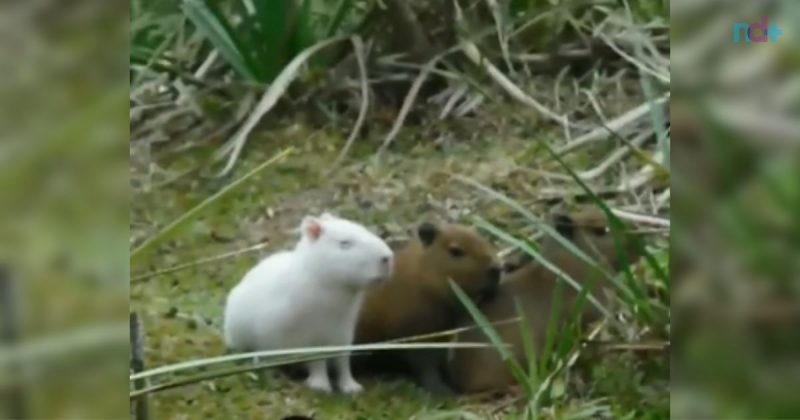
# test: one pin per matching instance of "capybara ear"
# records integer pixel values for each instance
(564, 225)
(312, 228)
(427, 233)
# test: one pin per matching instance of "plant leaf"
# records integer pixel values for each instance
(214, 26)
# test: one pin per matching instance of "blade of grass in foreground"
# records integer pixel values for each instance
(624, 288)
(489, 331)
(541, 224)
(616, 224)
(480, 222)
(528, 345)
(636, 295)
(323, 350)
(216, 374)
(550, 337)
(170, 229)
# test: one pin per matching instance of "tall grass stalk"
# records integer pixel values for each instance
(322, 351)
(651, 313)
(508, 358)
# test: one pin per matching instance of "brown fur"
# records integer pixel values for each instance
(417, 299)
(533, 285)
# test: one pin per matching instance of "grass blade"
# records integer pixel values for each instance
(221, 373)
(526, 333)
(275, 18)
(210, 21)
(657, 115)
(170, 229)
(322, 350)
(301, 34)
(539, 258)
(573, 321)
(550, 335)
(635, 294)
(491, 333)
(540, 224)
(342, 10)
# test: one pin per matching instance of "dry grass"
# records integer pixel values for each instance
(491, 125)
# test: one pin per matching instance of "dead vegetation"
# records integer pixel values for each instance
(454, 111)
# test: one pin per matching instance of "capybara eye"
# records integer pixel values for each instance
(456, 252)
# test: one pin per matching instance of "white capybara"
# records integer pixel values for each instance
(309, 296)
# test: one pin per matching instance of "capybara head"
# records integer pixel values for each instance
(345, 251)
(459, 253)
(590, 231)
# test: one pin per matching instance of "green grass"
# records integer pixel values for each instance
(489, 153)
(197, 293)
(555, 361)
(265, 38)
(172, 228)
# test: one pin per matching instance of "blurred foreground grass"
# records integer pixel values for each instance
(63, 209)
(736, 163)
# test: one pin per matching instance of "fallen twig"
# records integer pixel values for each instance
(473, 53)
(408, 102)
(601, 133)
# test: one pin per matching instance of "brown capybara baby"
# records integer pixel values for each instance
(418, 299)
(533, 285)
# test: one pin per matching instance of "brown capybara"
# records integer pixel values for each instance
(533, 285)
(418, 298)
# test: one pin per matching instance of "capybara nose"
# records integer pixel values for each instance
(494, 274)
(490, 287)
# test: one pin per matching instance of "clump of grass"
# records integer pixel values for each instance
(562, 350)
(258, 38)
(545, 376)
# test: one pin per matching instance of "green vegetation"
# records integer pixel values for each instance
(576, 116)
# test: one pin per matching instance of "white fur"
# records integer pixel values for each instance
(309, 296)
